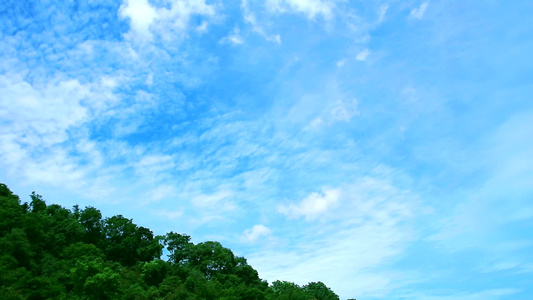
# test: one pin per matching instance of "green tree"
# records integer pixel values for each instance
(91, 220)
(102, 285)
(197, 284)
(127, 243)
(10, 210)
(92, 279)
(284, 290)
(213, 259)
(17, 245)
(319, 291)
(12, 278)
(248, 274)
(179, 246)
(154, 272)
(43, 287)
(37, 204)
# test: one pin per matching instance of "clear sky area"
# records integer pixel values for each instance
(382, 147)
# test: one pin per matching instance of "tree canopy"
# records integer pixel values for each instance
(50, 252)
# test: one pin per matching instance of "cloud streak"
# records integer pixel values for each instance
(418, 13)
(311, 8)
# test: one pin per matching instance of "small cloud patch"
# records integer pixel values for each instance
(312, 206)
(363, 55)
(418, 13)
(253, 234)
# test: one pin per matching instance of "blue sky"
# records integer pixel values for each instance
(382, 147)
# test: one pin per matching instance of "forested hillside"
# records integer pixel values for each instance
(50, 252)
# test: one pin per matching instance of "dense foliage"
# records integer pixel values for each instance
(50, 252)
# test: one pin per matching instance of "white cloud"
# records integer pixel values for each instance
(203, 27)
(345, 110)
(141, 15)
(251, 19)
(152, 166)
(39, 115)
(214, 200)
(316, 123)
(340, 111)
(160, 192)
(311, 8)
(168, 22)
(44, 126)
(418, 13)
(363, 55)
(334, 112)
(45, 111)
(382, 11)
(233, 37)
(341, 63)
(497, 266)
(312, 206)
(150, 79)
(255, 233)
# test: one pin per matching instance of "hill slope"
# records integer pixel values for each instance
(50, 252)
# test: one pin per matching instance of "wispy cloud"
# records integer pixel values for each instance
(168, 214)
(311, 8)
(492, 294)
(472, 222)
(312, 206)
(166, 21)
(250, 18)
(233, 37)
(382, 12)
(363, 55)
(255, 233)
(345, 110)
(212, 200)
(339, 111)
(418, 13)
